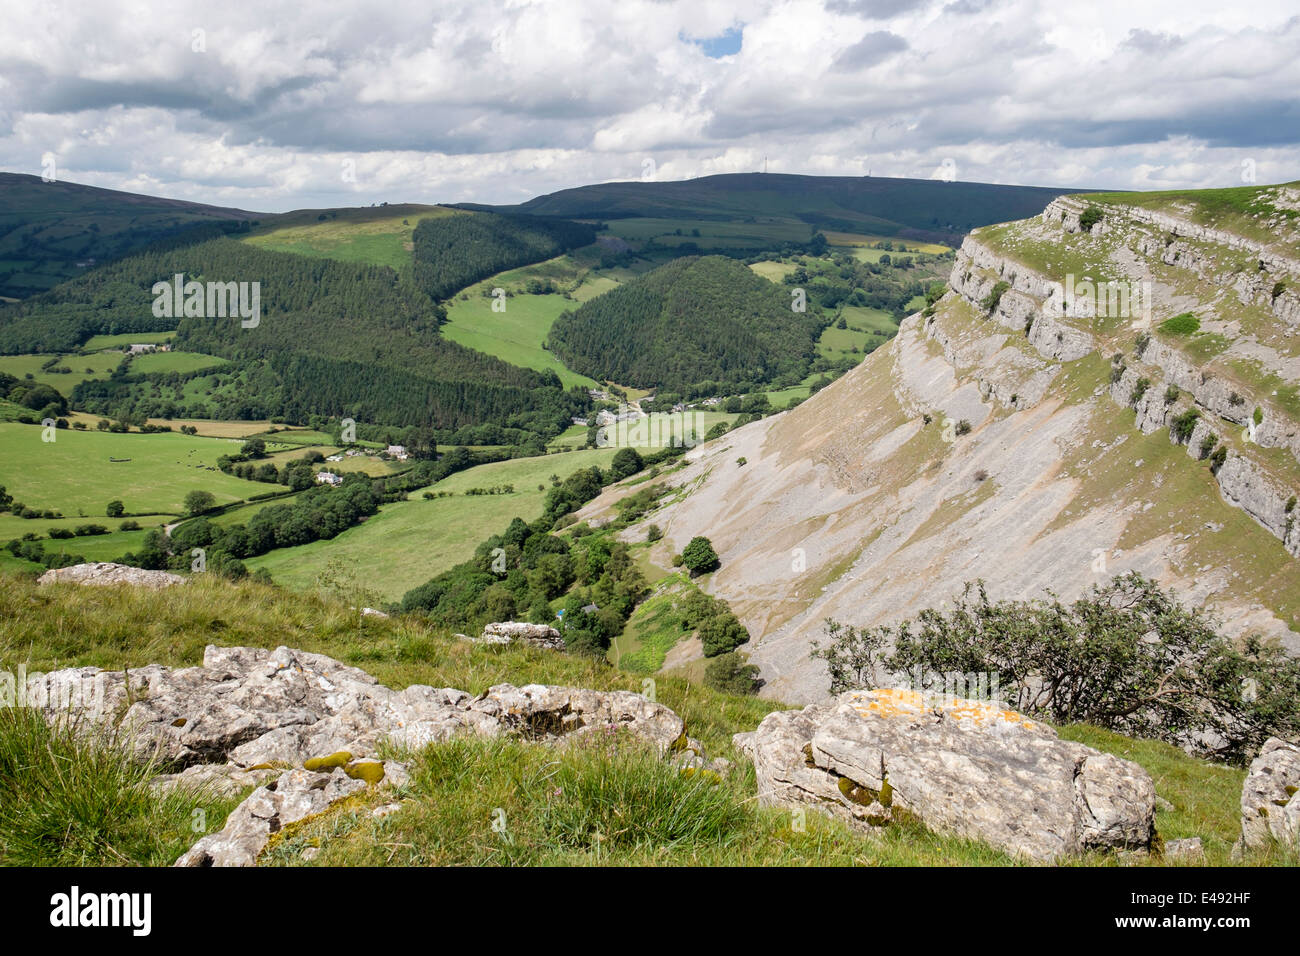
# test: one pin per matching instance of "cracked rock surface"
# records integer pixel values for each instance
(966, 767)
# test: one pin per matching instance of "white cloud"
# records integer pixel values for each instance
(497, 102)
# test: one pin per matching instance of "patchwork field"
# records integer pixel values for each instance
(409, 542)
(76, 472)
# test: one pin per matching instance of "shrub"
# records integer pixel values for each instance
(1183, 426)
(1171, 394)
(722, 632)
(129, 525)
(1218, 458)
(197, 502)
(654, 533)
(1126, 657)
(1090, 217)
(1208, 443)
(626, 462)
(729, 673)
(963, 427)
(89, 530)
(61, 533)
(698, 556)
(1139, 389)
(1259, 415)
(990, 301)
(1185, 324)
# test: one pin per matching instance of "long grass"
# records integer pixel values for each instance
(70, 798)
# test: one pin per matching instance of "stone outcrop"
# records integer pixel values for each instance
(252, 708)
(511, 632)
(966, 767)
(308, 729)
(1269, 811)
(294, 796)
(107, 573)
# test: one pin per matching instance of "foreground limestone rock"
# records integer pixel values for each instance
(105, 573)
(296, 795)
(1269, 811)
(961, 766)
(510, 632)
(255, 708)
(307, 729)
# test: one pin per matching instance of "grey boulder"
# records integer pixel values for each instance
(1269, 811)
(965, 767)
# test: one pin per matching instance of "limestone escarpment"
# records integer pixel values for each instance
(966, 448)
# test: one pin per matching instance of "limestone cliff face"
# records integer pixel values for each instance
(865, 504)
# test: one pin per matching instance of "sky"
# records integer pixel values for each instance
(274, 106)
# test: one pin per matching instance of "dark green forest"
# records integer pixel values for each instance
(452, 252)
(335, 339)
(690, 320)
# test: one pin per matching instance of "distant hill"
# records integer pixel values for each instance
(52, 232)
(692, 320)
(911, 208)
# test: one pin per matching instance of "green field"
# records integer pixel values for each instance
(866, 328)
(82, 367)
(515, 334)
(377, 235)
(775, 271)
(98, 547)
(121, 341)
(182, 362)
(409, 542)
(73, 473)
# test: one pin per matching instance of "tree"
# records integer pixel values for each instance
(729, 673)
(722, 632)
(197, 502)
(115, 509)
(627, 461)
(1126, 657)
(698, 556)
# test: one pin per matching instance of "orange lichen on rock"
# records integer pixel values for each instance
(903, 702)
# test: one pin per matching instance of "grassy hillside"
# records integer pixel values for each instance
(410, 541)
(444, 818)
(53, 231)
(920, 208)
(376, 235)
(514, 334)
